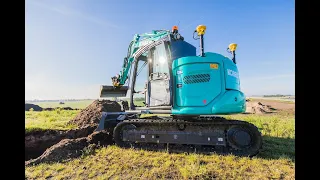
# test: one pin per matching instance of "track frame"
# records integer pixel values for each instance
(206, 134)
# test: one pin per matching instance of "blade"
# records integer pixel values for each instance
(111, 91)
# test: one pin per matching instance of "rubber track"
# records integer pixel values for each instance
(212, 121)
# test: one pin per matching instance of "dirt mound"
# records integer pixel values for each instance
(53, 145)
(36, 142)
(92, 114)
(48, 109)
(72, 148)
(258, 108)
(67, 108)
(33, 106)
(38, 108)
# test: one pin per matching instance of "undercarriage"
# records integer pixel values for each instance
(205, 134)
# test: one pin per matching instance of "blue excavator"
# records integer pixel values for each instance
(183, 97)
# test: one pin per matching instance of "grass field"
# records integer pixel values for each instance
(56, 119)
(276, 161)
(116, 163)
(73, 104)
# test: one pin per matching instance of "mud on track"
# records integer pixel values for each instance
(56, 145)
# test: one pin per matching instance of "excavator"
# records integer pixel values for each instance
(185, 97)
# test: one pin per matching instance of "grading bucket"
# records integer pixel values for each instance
(111, 91)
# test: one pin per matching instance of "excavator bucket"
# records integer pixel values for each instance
(111, 91)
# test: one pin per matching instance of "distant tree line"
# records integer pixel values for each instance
(276, 95)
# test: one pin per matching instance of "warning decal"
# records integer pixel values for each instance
(214, 66)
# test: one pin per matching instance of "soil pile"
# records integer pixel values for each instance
(53, 145)
(258, 108)
(36, 142)
(92, 114)
(33, 106)
(71, 148)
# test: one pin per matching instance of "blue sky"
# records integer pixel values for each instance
(74, 46)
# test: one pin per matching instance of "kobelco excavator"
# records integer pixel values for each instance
(184, 94)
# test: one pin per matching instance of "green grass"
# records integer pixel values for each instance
(138, 103)
(278, 131)
(44, 120)
(56, 119)
(73, 104)
(276, 161)
(116, 163)
(275, 125)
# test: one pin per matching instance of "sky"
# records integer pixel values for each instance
(72, 47)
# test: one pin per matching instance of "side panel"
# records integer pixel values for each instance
(231, 75)
(208, 97)
(197, 83)
(231, 102)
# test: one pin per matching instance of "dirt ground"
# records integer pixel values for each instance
(36, 142)
(92, 114)
(33, 106)
(281, 105)
(261, 106)
(55, 146)
(68, 148)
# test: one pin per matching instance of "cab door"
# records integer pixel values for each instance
(159, 76)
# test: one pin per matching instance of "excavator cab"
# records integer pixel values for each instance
(160, 70)
(159, 75)
(159, 59)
